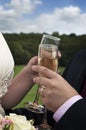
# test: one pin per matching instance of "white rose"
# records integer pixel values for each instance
(20, 122)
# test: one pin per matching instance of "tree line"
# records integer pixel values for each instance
(24, 46)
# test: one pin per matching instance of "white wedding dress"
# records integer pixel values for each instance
(6, 68)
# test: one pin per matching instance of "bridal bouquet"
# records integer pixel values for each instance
(15, 122)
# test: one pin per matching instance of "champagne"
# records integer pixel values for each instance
(47, 56)
(49, 63)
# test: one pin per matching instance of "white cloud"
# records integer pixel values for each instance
(23, 6)
(11, 14)
(64, 20)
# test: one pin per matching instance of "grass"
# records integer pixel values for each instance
(31, 94)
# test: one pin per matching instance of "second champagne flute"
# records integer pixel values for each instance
(48, 57)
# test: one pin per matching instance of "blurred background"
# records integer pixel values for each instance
(23, 22)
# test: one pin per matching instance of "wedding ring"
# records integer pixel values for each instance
(43, 87)
(41, 90)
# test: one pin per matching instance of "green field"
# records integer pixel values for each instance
(31, 94)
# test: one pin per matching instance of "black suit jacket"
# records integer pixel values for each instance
(75, 74)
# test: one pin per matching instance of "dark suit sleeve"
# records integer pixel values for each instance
(75, 71)
(75, 74)
(74, 118)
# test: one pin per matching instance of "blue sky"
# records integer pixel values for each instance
(38, 16)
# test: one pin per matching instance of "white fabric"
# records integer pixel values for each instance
(6, 66)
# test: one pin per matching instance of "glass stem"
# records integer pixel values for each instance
(45, 117)
(37, 95)
(44, 125)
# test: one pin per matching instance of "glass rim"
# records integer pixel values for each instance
(50, 37)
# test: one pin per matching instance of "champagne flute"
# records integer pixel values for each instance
(48, 57)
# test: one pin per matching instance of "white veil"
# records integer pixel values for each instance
(6, 66)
